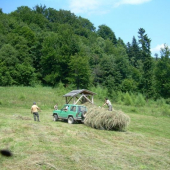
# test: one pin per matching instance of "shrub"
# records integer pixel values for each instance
(165, 110)
(167, 101)
(140, 100)
(127, 99)
(119, 99)
(113, 95)
(60, 89)
(161, 102)
(101, 92)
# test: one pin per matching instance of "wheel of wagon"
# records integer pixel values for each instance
(55, 117)
(70, 120)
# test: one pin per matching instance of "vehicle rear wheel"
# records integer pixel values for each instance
(55, 117)
(70, 120)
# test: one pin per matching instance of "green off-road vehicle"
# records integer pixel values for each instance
(71, 113)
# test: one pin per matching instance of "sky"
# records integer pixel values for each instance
(123, 17)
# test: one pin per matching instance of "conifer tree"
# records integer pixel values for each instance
(146, 84)
(162, 73)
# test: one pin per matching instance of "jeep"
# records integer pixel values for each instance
(71, 113)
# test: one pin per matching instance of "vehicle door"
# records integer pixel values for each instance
(64, 112)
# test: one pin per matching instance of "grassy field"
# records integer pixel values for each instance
(49, 145)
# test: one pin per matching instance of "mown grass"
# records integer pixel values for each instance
(49, 145)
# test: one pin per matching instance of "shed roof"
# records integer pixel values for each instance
(76, 92)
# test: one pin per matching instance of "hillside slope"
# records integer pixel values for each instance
(61, 146)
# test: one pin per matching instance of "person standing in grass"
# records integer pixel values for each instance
(56, 107)
(34, 111)
(107, 101)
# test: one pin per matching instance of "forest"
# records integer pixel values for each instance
(47, 47)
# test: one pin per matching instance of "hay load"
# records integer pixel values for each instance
(100, 118)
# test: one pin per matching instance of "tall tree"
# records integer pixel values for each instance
(23, 14)
(85, 23)
(40, 9)
(134, 53)
(12, 70)
(106, 33)
(146, 84)
(80, 73)
(50, 60)
(162, 73)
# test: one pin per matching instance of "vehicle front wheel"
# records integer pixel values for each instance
(70, 120)
(55, 117)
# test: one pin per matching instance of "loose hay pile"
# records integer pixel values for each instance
(100, 118)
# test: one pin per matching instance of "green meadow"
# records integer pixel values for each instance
(48, 145)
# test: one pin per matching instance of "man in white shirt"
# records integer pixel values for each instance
(107, 101)
(56, 107)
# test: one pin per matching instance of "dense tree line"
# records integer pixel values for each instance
(46, 46)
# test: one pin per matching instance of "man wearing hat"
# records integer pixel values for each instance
(34, 110)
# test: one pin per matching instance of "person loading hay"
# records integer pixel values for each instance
(107, 101)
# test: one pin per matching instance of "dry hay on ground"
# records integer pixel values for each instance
(101, 118)
(21, 117)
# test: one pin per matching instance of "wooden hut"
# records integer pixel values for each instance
(82, 96)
